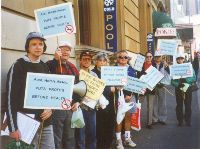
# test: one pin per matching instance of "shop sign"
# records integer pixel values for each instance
(160, 32)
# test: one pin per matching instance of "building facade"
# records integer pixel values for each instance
(133, 22)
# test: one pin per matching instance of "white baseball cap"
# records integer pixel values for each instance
(65, 43)
(157, 53)
(180, 55)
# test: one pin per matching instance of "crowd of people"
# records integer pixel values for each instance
(101, 128)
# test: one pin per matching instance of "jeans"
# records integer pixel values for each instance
(63, 133)
(86, 136)
(47, 140)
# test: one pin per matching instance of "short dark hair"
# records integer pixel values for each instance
(85, 53)
(28, 41)
(148, 52)
(34, 35)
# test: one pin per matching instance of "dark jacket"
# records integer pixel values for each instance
(15, 87)
(67, 69)
(195, 64)
(189, 80)
(107, 92)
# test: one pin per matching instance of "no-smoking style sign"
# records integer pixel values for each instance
(56, 20)
(66, 104)
(69, 29)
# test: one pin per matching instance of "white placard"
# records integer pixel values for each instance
(114, 75)
(56, 20)
(152, 77)
(181, 70)
(48, 91)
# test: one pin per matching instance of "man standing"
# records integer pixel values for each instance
(122, 60)
(160, 108)
(63, 133)
(86, 136)
(16, 82)
(195, 64)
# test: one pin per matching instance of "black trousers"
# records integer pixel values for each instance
(105, 128)
(183, 99)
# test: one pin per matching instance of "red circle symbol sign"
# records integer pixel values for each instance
(124, 81)
(69, 29)
(66, 104)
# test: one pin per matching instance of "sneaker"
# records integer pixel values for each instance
(119, 144)
(130, 143)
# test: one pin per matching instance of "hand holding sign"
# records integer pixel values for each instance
(57, 54)
(181, 70)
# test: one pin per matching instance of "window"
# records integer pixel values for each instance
(84, 20)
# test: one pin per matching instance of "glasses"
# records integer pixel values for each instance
(123, 57)
(86, 59)
(36, 46)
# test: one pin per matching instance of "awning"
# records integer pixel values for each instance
(161, 19)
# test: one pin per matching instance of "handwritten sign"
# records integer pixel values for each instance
(95, 86)
(55, 20)
(114, 75)
(163, 32)
(181, 70)
(152, 77)
(135, 85)
(133, 57)
(139, 62)
(47, 91)
(167, 47)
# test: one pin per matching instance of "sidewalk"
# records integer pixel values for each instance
(171, 136)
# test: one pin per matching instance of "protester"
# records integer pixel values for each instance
(150, 95)
(122, 60)
(183, 97)
(63, 133)
(16, 82)
(195, 64)
(160, 108)
(105, 117)
(86, 136)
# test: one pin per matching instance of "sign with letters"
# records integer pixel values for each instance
(181, 70)
(139, 62)
(110, 25)
(167, 47)
(163, 32)
(48, 91)
(95, 86)
(150, 42)
(152, 77)
(114, 75)
(135, 85)
(55, 20)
